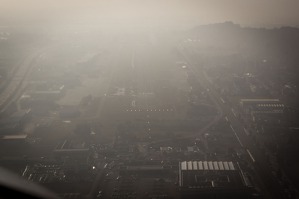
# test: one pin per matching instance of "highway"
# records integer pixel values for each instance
(274, 190)
(200, 132)
(18, 83)
(98, 182)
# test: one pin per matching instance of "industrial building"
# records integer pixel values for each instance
(262, 106)
(213, 179)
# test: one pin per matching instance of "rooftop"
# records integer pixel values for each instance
(14, 137)
(210, 175)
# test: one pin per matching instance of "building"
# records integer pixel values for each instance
(12, 144)
(262, 109)
(50, 93)
(13, 139)
(72, 148)
(213, 179)
(261, 106)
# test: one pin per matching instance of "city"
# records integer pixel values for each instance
(207, 112)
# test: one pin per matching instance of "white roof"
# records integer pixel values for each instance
(226, 167)
(200, 167)
(221, 167)
(207, 165)
(11, 137)
(231, 166)
(184, 165)
(195, 165)
(216, 165)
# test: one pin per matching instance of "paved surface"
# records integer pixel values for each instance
(258, 159)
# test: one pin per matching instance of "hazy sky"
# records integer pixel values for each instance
(244, 12)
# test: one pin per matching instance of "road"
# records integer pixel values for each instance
(199, 133)
(140, 76)
(18, 83)
(98, 182)
(254, 154)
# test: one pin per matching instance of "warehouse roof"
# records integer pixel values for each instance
(207, 165)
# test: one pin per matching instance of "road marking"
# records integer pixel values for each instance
(232, 128)
(252, 158)
(236, 136)
(233, 111)
(222, 100)
(226, 119)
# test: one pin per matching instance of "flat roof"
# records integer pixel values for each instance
(271, 105)
(71, 150)
(145, 167)
(14, 137)
(207, 165)
(259, 100)
(208, 175)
